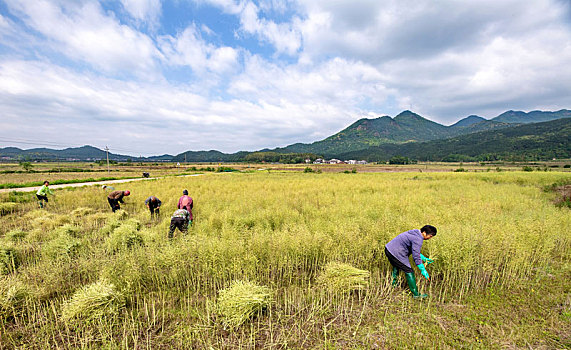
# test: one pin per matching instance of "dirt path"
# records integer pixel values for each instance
(80, 184)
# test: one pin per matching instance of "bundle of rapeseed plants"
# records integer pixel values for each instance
(62, 247)
(241, 301)
(8, 208)
(81, 212)
(9, 260)
(13, 296)
(125, 236)
(16, 235)
(343, 278)
(99, 301)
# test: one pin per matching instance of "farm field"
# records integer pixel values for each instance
(13, 175)
(78, 276)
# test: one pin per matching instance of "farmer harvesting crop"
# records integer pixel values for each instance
(42, 194)
(153, 203)
(401, 247)
(186, 202)
(115, 198)
(179, 220)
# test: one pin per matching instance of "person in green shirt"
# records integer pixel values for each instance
(42, 194)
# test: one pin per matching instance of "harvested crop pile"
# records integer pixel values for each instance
(9, 260)
(8, 208)
(99, 301)
(241, 301)
(343, 278)
(13, 295)
(125, 236)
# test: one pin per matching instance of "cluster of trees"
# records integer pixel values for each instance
(275, 157)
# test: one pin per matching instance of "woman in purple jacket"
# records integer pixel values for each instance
(401, 247)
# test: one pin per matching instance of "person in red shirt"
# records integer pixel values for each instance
(185, 202)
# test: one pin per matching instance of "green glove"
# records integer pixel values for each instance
(423, 271)
(426, 260)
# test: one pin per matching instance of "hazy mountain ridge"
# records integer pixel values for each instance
(406, 132)
(531, 117)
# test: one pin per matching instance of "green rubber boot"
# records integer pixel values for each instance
(412, 285)
(395, 277)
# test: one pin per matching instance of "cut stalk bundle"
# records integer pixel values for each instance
(81, 212)
(13, 295)
(125, 236)
(343, 278)
(9, 260)
(241, 301)
(96, 302)
(8, 208)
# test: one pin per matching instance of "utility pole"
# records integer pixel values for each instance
(107, 150)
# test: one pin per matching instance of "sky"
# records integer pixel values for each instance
(149, 77)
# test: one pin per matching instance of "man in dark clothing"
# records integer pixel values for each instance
(179, 220)
(401, 247)
(115, 198)
(185, 202)
(153, 203)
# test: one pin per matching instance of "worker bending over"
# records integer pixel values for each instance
(153, 203)
(179, 220)
(116, 197)
(401, 247)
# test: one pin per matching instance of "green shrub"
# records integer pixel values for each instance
(99, 301)
(241, 301)
(459, 170)
(527, 168)
(343, 278)
(9, 260)
(308, 170)
(20, 197)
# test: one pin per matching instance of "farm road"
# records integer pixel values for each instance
(80, 184)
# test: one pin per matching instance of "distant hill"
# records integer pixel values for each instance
(208, 156)
(405, 127)
(531, 117)
(537, 141)
(407, 134)
(84, 153)
(469, 120)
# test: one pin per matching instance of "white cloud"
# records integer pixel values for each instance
(189, 49)
(283, 36)
(143, 10)
(83, 32)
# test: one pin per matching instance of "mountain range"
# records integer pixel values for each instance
(407, 134)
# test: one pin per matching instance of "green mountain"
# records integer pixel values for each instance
(83, 153)
(469, 120)
(531, 117)
(537, 141)
(209, 156)
(405, 127)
